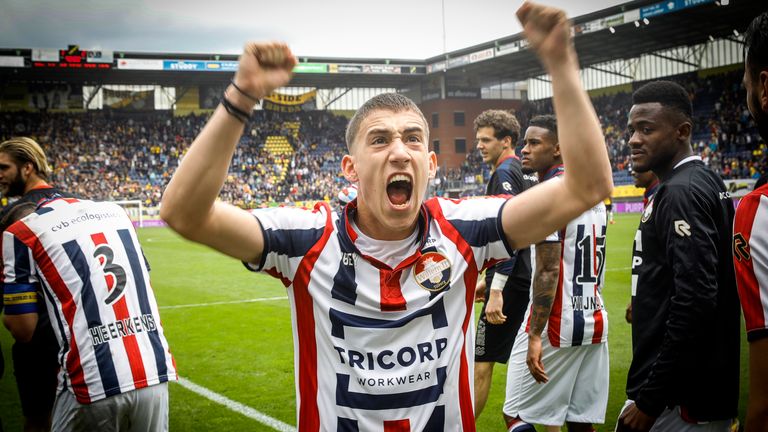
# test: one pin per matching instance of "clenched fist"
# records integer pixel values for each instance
(264, 67)
(548, 31)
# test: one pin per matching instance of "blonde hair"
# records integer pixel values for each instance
(23, 150)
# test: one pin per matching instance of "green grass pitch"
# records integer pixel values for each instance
(243, 350)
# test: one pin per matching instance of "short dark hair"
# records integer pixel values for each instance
(546, 121)
(16, 213)
(394, 102)
(756, 44)
(668, 93)
(503, 123)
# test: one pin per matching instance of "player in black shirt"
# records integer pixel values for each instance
(685, 326)
(506, 286)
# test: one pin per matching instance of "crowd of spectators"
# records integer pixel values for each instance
(131, 156)
(113, 155)
(724, 134)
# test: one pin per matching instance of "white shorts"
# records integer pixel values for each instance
(145, 409)
(670, 421)
(577, 390)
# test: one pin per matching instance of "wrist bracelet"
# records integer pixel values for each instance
(234, 111)
(239, 90)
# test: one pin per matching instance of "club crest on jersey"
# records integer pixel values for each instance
(432, 271)
(647, 212)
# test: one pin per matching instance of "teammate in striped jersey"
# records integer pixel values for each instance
(750, 241)
(563, 377)
(114, 358)
(382, 294)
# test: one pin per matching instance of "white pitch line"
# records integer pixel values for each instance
(236, 406)
(224, 302)
(619, 269)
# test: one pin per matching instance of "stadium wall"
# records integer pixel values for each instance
(447, 132)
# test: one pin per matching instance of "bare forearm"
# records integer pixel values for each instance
(587, 178)
(541, 303)
(544, 285)
(190, 195)
(588, 171)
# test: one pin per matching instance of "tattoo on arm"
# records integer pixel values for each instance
(544, 284)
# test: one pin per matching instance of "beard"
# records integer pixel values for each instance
(16, 186)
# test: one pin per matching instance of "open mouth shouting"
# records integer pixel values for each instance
(399, 190)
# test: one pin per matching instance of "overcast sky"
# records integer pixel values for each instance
(399, 29)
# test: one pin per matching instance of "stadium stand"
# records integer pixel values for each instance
(295, 157)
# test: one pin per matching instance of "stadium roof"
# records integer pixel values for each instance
(631, 39)
(618, 32)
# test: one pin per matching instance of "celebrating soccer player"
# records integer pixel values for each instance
(382, 294)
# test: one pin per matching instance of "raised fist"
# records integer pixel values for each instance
(264, 67)
(548, 32)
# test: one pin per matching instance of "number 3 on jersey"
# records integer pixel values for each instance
(113, 273)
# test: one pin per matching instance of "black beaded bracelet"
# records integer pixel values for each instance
(242, 92)
(234, 111)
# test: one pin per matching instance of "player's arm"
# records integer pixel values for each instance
(757, 410)
(694, 301)
(543, 295)
(189, 203)
(537, 212)
(480, 288)
(21, 326)
(20, 290)
(494, 308)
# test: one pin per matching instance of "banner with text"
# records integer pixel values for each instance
(291, 103)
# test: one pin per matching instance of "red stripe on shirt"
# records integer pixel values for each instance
(276, 274)
(68, 307)
(309, 415)
(120, 309)
(597, 334)
(470, 279)
(390, 292)
(397, 425)
(748, 285)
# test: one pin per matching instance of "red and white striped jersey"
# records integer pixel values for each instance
(380, 348)
(750, 259)
(578, 314)
(95, 281)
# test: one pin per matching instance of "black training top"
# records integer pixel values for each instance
(685, 306)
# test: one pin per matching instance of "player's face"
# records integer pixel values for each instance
(644, 179)
(540, 151)
(491, 148)
(392, 165)
(12, 182)
(652, 137)
(757, 99)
